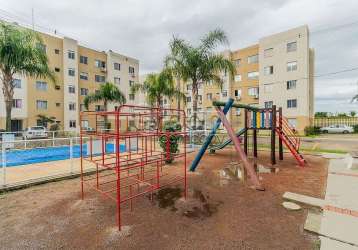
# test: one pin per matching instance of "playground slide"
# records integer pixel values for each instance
(227, 142)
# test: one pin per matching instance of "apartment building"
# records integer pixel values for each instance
(79, 71)
(277, 71)
(286, 75)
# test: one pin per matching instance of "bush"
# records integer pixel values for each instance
(355, 128)
(312, 130)
(170, 126)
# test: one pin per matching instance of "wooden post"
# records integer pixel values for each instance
(273, 136)
(280, 146)
(254, 141)
(247, 128)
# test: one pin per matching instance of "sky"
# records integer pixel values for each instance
(143, 29)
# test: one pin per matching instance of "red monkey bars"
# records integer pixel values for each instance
(129, 148)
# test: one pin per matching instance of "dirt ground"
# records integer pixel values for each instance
(219, 213)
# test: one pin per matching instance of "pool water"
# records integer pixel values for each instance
(36, 155)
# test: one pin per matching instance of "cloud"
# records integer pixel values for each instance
(142, 29)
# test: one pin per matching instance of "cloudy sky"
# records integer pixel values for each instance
(142, 29)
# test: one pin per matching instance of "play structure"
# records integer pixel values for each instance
(255, 119)
(128, 149)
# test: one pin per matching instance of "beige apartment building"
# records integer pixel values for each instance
(277, 71)
(79, 71)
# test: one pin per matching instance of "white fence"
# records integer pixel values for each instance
(27, 160)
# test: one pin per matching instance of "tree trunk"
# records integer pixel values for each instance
(105, 118)
(194, 90)
(178, 88)
(8, 92)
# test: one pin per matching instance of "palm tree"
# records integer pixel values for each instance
(199, 63)
(44, 120)
(355, 98)
(20, 53)
(107, 93)
(158, 86)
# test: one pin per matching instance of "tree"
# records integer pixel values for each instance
(44, 120)
(200, 64)
(352, 113)
(158, 86)
(107, 93)
(355, 98)
(321, 114)
(20, 53)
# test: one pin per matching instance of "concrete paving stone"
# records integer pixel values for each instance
(304, 199)
(330, 244)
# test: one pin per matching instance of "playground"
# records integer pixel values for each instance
(150, 191)
(54, 216)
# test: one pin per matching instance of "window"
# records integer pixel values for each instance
(209, 96)
(292, 66)
(224, 93)
(71, 89)
(85, 124)
(253, 92)
(82, 107)
(41, 46)
(268, 104)
(253, 59)
(99, 108)
(99, 63)
(117, 66)
(268, 70)
(268, 52)
(188, 111)
(84, 59)
(71, 72)
(72, 106)
(292, 46)
(16, 83)
(99, 78)
(57, 87)
(268, 88)
(84, 76)
(165, 101)
(292, 122)
(41, 86)
(292, 103)
(291, 84)
(131, 97)
(238, 62)
(72, 123)
(84, 91)
(237, 78)
(237, 93)
(188, 87)
(238, 111)
(209, 109)
(57, 69)
(188, 99)
(253, 75)
(40, 104)
(131, 83)
(131, 70)
(17, 103)
(200, 98)
(58, 104)
(57, 51)
(117, 80)
(71, 54)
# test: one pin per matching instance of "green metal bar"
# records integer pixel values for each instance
(236, 105)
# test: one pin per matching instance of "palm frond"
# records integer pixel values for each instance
(213, 39)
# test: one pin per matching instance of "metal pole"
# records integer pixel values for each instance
(3, 153)
(71, 155)
(53, 138)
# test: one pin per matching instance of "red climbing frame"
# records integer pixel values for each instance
(127, 157)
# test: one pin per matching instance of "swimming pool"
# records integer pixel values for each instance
(36, 155)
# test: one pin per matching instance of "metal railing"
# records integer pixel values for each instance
(28, 160)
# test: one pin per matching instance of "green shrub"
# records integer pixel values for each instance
(170, 126)
(355, 128)
(312, 130)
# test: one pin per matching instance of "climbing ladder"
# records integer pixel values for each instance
(287, 134)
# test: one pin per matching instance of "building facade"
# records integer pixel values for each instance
(277, 71)
(79, 71)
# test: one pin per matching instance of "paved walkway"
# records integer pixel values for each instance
(339, 221)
